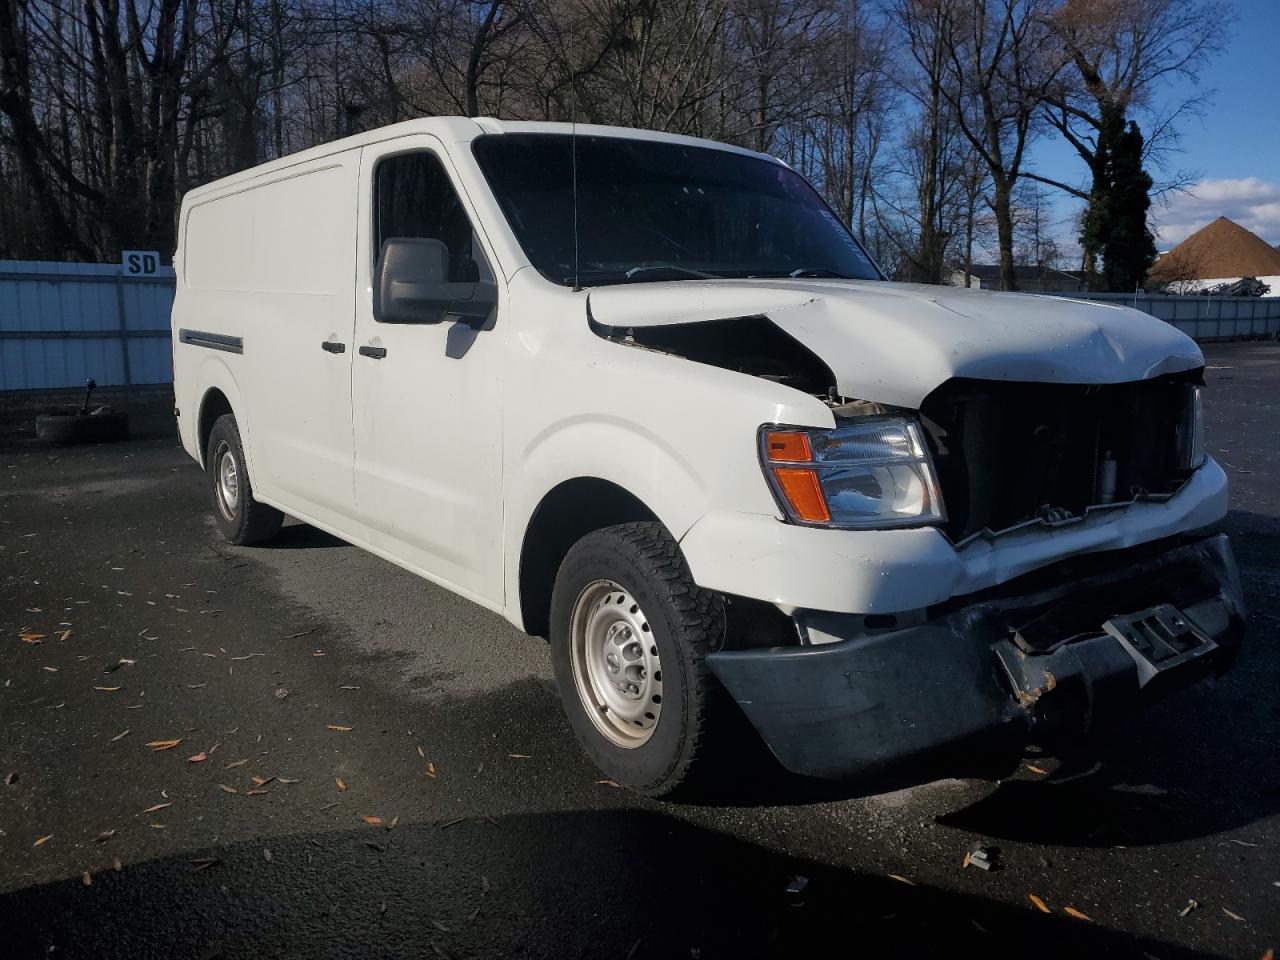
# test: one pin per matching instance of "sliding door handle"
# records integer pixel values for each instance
(377, 353)
(332, 346)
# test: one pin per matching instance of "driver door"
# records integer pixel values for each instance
(426, 384)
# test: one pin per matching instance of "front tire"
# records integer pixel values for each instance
(630, 632)
(240, 518)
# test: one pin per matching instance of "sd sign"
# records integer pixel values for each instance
(139, 263)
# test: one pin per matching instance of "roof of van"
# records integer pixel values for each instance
(455, 130)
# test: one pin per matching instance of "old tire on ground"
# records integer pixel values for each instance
(240, 518)
(72, 427)
(630, 632)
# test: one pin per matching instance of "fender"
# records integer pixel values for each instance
(214, 373)
(608, 448)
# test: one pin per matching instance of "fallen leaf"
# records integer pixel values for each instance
(116, 865)
(1233, 916)
(287, 780)
(120, 736)
(394, 820)
(348, 687)
(236, 763)
(31, 637)
(41, 841)
(256, 793)
(203, 863)
(339, 727)
(50, 669)
(431, 769)
(1034, 769)
(303, 633)
(163, 744)
(107, 689)
(900, 879)
(519, 756)
(266, 854)
(422, 753)
(608, 783)
(64, 635)
(158, 806)
(200, 757)
(226, 789)
(1073, 912)
(10, 779)
(375, 821)
(1269, 955)
(86, 878)
(1039, 904)
(1191, 905)
(104, 836)
(261, 781)
(157, 826)
(342, 785)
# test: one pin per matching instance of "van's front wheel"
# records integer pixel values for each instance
(630, 632)
(240, 518)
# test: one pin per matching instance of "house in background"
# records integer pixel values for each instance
(1215, 255)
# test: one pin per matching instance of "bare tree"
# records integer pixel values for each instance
(1001, 63)
(1120, 53)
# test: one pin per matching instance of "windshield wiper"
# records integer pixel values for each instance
(675, 268)
(817, 272)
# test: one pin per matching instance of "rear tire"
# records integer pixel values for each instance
(630, 632)
(240, 518)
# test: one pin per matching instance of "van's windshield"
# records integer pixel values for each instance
(649, 210)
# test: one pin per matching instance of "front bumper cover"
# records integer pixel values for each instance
(967, 689)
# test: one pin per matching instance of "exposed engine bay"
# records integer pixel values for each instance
(1008, 454)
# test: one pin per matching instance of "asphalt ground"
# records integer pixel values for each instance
(369, 766)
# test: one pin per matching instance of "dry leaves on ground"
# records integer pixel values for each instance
(163, 744)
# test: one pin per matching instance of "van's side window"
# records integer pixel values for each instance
(414, 198)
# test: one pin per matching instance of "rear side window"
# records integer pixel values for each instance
(413, 197)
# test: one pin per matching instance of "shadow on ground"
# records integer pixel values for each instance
(618, 884)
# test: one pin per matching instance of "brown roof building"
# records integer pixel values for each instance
(1221, 250)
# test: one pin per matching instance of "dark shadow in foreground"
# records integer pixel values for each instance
(604, 884)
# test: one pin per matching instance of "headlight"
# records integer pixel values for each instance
(872, 472)
(1191, 432)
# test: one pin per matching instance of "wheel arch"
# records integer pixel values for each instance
(213, 405)
(564, 515)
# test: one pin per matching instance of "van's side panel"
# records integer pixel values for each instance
(270, 265)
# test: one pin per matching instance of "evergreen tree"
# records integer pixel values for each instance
(1129, 249)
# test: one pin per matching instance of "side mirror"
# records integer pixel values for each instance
(411, 285)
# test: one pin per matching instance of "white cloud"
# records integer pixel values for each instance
(1250, 202)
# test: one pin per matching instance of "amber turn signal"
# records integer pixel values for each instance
(804, 493)
(787, 447)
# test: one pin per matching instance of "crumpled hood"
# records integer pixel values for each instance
(894, 342)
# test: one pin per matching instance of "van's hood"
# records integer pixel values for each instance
(894, 342)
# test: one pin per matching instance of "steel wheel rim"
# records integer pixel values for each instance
(226, 483)
(616, 668)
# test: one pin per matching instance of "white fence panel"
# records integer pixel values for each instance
(61, 323)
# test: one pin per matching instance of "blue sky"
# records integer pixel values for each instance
(1234, 149)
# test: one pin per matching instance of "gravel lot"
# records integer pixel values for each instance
(386, 771)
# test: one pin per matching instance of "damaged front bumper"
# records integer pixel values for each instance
(1050, 659)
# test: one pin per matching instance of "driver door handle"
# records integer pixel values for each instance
(332, 346)
(377, 353)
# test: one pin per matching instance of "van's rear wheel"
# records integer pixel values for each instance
(240, 518)
(630, 632)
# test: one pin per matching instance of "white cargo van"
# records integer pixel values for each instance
(646, 396)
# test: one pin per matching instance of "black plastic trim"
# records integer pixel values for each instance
(213, 341)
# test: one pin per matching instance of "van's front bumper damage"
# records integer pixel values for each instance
(1051, 659)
